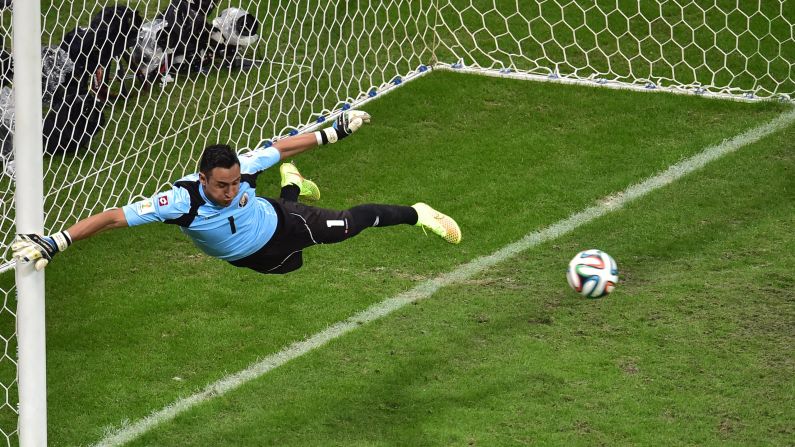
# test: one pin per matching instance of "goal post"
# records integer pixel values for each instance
(28, 198)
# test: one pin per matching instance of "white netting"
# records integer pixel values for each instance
(734, 47)
(133, 93)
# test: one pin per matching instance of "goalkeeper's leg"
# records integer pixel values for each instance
(374, 215)
(294, 185)
(290, 193)
(324, 226)
(305, 226)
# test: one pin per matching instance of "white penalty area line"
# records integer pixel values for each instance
(130, 431)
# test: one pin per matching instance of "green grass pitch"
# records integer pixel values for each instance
(694, 347)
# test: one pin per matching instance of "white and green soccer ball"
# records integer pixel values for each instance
(592, 273)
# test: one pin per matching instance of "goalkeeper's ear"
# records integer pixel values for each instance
(346, 123)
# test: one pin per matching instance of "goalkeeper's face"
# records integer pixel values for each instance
(221, 184)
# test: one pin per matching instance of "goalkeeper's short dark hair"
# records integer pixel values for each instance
(217, 156)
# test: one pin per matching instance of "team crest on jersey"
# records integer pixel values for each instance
(243, 200)
(146, 207)
(162, 200)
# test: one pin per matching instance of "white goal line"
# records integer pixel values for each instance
(129, 431)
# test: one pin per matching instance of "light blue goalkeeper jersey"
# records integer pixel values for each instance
(229, 233)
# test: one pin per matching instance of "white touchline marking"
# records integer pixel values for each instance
(129, 431)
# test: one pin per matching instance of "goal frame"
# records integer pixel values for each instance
(29, 204)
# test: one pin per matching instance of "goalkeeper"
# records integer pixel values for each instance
(217, 208)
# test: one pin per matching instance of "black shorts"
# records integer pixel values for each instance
(299, 226)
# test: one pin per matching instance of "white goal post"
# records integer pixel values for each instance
(117, 100)
(29, 196)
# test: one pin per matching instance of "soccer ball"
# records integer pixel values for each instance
(592, 273)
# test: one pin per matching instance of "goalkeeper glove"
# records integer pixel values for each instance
(347, 123)
(40, 249)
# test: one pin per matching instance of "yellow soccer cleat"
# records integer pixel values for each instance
(441, 224)
(291, 176)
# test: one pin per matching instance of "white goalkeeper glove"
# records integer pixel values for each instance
(40, 249)
(347, 123)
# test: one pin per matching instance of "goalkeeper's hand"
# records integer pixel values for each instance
(347, 123)
(40, 249)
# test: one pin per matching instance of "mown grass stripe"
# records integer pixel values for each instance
(128, 432)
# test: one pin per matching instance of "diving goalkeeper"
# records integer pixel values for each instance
(217, 208)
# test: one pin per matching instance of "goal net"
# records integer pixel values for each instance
(730, 48)
(133, 92)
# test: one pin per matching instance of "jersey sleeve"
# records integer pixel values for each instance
(158, 208)
(259, 160)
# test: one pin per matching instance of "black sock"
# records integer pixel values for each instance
(290, 193)
(372, 215)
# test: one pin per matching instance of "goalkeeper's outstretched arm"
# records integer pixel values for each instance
(107, 220)
(347, 123)
(41, 249)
